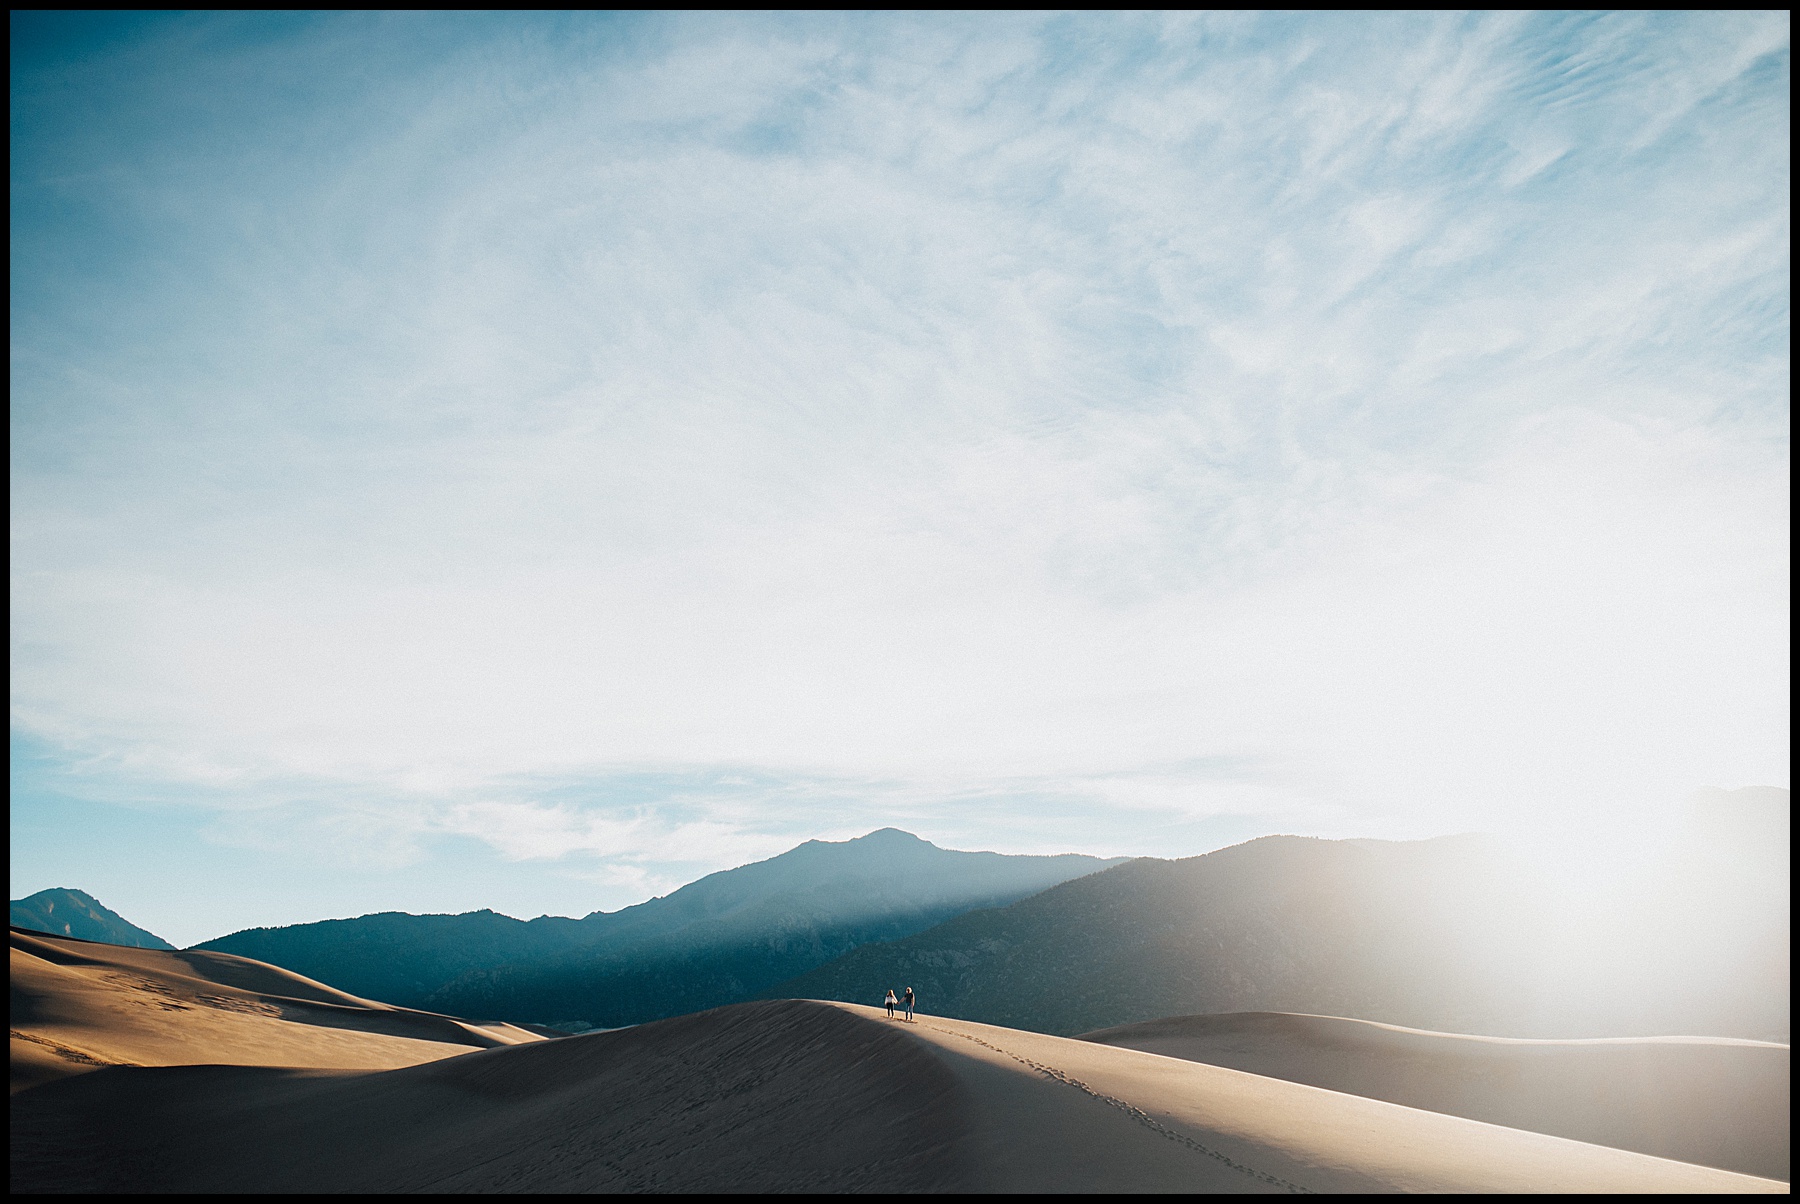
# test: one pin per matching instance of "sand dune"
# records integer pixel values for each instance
(81, 1005)
(783, 1096)
(1714, 1101)
(1054, 1113)
(759, 1097)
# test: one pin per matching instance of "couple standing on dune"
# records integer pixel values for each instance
(892, 1003)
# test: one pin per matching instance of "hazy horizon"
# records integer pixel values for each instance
(1559, 869)
(460, 460)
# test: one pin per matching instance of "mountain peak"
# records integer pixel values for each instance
(889, 836)
(881, 838)
(64, 911)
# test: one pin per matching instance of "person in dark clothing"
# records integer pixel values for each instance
(909, 1003)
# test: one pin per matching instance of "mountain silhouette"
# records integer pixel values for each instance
(717, 940)
(61, 911)
(1457, 934)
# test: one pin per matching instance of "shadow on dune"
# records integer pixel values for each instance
(1704, 1100)
(781, 1096)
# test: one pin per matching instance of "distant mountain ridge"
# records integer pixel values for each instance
(1457, 934)
(62, 911)
(714, 941)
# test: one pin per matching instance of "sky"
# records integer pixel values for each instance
(531, 461)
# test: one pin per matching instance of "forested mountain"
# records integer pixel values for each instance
(65, 912)
(714, 941)
(1460, 934)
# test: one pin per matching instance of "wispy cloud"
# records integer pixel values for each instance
(1383, 418)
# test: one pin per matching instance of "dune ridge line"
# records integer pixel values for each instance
(1133, 1111)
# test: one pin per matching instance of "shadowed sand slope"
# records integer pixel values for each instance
(759, 1097)
(784, 1096)
(1713, 1101)
(79, 1005)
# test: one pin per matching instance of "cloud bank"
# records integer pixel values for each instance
(653, 438)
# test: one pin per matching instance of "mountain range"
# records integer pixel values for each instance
(1459, 934)
(718, 940)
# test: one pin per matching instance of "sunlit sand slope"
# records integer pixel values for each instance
(81, 1005)
(1714, 1101)
(784, 1096)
